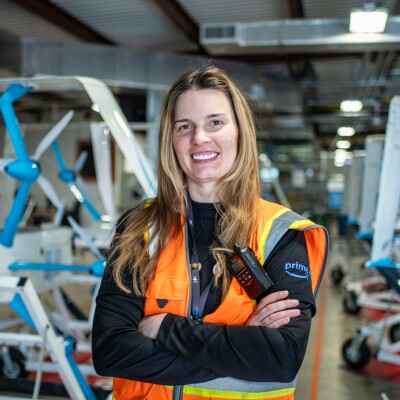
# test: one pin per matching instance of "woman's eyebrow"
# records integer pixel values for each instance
(181, 120)
(215, 115)
(207, 116)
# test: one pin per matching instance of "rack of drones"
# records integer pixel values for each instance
(40, 260)
(382, 199)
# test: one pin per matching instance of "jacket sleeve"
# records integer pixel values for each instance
(120, 350)
(247, 352)
(256, 354)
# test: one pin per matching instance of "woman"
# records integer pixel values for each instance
(170, 320)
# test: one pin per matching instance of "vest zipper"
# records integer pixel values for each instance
(189, 269)
(177, 392)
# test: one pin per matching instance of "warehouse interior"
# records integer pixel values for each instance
(297, 63)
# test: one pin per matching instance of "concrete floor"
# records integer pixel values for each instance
(324, 375)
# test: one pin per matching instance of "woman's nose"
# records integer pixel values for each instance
(200, 136)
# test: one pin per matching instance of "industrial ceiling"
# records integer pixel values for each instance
(295, 58)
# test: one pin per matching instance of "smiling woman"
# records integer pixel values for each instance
(172, 321)
(205, 140)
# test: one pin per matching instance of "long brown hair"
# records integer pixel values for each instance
(162, 217)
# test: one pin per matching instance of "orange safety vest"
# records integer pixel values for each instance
(171, 282)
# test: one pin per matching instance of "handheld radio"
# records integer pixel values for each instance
(245, 267)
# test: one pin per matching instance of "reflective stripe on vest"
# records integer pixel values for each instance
(230, 388)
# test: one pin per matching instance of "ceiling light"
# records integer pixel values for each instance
(346, 131)
(368, 19)
(340, 153)
(342, 158)
(343, 144)
(351, 105)
(338, 163)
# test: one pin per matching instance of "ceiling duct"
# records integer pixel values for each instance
(123, 68)
(295, 36)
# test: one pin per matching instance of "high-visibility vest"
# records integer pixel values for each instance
(171, 284)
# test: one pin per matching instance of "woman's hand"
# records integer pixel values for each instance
(149, 326)
(274, 311)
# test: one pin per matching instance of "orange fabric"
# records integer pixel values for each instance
(316, 240)
(171, 283)
(125, 389)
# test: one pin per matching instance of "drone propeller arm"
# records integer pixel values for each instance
(58, 155)
(82, 199)
(15, 215)
(96, 269)
(10, 118)
(93, 212)
(87, 200)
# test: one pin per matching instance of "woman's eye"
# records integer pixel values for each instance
(216, 122)
(184, 128)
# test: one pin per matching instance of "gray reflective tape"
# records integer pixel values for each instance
(177, 392)
(237, 385)
(279, 227)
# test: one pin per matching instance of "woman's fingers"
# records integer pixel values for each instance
(273, 320)
(271, 299)
(275, 302)
(274, 310)
(276, 307)
(279, 319)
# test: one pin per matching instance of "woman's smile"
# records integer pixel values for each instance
(204, 156)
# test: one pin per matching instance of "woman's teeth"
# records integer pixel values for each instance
(204, 156)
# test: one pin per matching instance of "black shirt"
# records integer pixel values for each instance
(187, 351)
(204, 216)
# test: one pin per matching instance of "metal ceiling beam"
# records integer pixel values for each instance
(297, 12)
(296, 8)
(396, 8)
(182, 20)
(47, 10)
(283, 58)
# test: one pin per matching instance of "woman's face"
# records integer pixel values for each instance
(205, 139)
